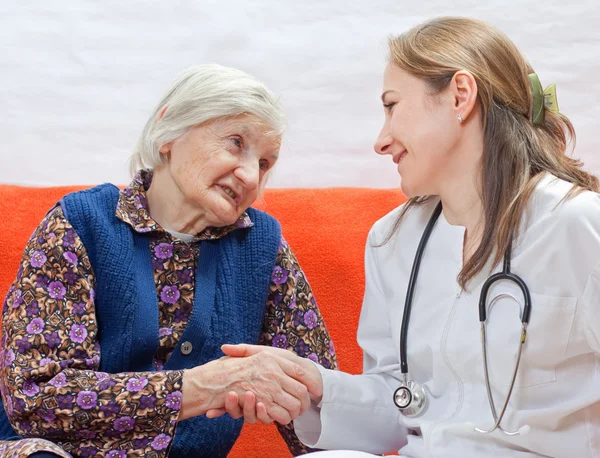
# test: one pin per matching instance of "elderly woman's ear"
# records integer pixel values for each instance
(166, 148)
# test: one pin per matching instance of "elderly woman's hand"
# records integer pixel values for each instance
(279, 380)
(247, 405)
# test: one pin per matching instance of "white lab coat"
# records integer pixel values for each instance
(557, 391)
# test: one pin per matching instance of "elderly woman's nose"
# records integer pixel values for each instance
(248, 173)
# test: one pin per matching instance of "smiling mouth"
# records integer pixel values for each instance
(231, 194)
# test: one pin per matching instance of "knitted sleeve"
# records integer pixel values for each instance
(50, 355)
(293, 321)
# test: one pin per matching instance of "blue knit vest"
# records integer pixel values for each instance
(232, 282)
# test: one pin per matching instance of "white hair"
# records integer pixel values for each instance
(200, 94)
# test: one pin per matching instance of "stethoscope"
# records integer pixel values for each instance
(410, 397)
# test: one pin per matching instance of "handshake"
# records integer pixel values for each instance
(259, 383)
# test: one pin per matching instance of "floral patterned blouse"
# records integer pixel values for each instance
(49, 354)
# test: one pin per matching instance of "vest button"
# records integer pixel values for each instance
(186, 348)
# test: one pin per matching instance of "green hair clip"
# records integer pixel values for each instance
(542, 99)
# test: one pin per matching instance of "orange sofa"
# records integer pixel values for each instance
(326, 228)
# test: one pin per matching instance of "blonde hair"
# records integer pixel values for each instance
(516, 152)
(199, 94)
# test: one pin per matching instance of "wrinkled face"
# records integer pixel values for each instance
(219, 166)
(420, 131)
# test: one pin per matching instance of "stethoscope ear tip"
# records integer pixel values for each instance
(524, 430)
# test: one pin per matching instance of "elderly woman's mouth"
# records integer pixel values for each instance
(230, 193)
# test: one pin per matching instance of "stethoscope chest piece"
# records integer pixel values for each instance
(410, 398)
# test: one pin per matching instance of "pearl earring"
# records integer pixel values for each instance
(459, 117)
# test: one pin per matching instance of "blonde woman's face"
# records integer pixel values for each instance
(419, 132)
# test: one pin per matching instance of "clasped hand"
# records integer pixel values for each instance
(256, 382)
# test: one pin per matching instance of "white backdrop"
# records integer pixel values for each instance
(78, 79)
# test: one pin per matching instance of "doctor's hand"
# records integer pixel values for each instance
(281, 385)
(247, 404)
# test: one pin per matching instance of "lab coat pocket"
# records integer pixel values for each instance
(548, 333)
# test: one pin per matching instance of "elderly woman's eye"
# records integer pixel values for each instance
(264, 164)
(237, 141)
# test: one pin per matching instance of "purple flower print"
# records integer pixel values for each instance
(298, 317)
(124, 424)
(69, 238)
(117, 454)
(87, 399)
(71, 258)
(65, 401)
(180, 316)
(174, 400)
(313, 357)
(42, 281)
(25, 425)
(59, 381)
(280, 341)
(17, 298)
(45, 361)
(163, 250)
(66, 363)
(30, 388)
(106, 384)
(301, 348)
(277, 298)
(141, 443)
(88, 451)
(78, 333)
(38, 258)
(161, 442)
(86, 434)
(93, 361)
(56, 290)
(71, 277)
(170, 294)
(8, 357)
(92, 295)
(36, 326)
(157, 264)
(19, 404)
(78, 308)
(331, 348)
(165, 332)
(110, 409)
(52, 339)
(279, 275)
(184, 276)
(137, 384)
(292, 304)
(32, 309)
(310, 319)
(147, 402)
(79, 354)
(47, 415)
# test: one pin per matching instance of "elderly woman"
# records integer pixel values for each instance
(112, 330)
